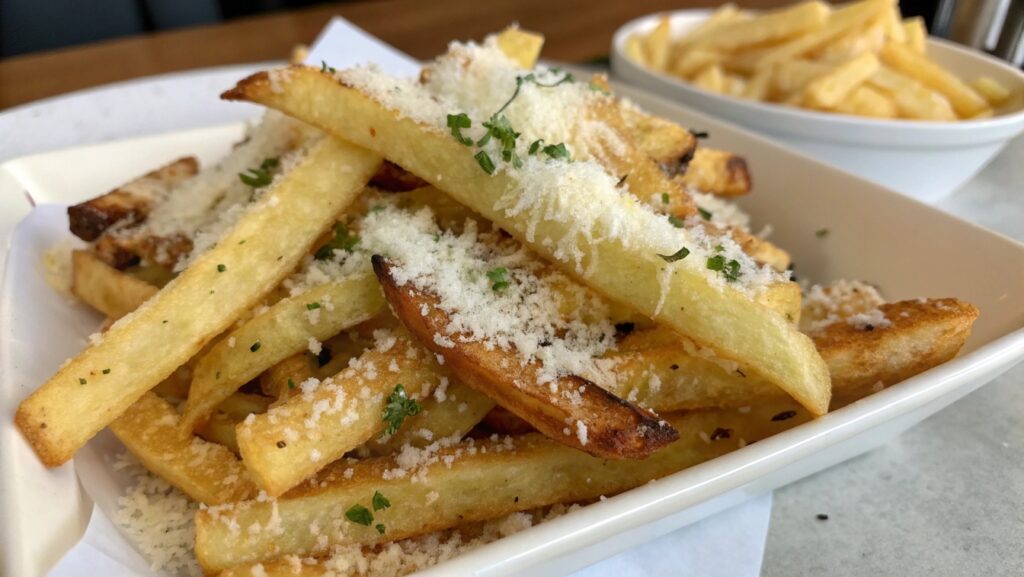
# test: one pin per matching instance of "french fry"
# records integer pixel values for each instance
(276, 334)
(105, 288)
(866, 101)
(864, 40)
(287, 374)
(893, 23)
(635, 51)
(206, 472)
(656, 44)
(711, 78)
(916, 34)
(442, 490)
(830, 89)
(521, 46)
(693, 61)
(592, 420)
(717, 172)
(793, 76)
(220, 428)
(454, 415)
(759, 87)
(295, 439)
(965, 101)
(669, 144)
(128, 203)
(655, 370)
(142, 349)
(763, 341)
(840, 22)
(992, 90)
(772, 26)
(912, 99)
(725, 14)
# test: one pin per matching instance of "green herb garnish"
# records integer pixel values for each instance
(730, 269)
(259, 177)
(380, 502)
(821, 233)
(359, 514)
(106, 371)
(706, 215)
(485, 162)
(81, 381)
(497, 278)
(665, 198)
(679, 255)
(255, 346)
(676, 221)
(312, 306)
(343, 240)
(399, 406)
(291, 383)
(457, 122)
(325, 68)
(221, 268)
(380, 528)
(557, 151)
(598, 88)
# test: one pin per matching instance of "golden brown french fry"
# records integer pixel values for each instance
(693, 61)
(592, 420)
(767, 27)
(287, 374)
(965, 101)
(711, 78)
(912, 99)
(669, 144)
(793, 76)
(916, 34)
(717, 172)
(866, 101)
(995, 92)
(130, 202)
(144, 348)
(653, 368)
(893, 23)
(452, 412)
(323, 421)
(105, 288)
(840, 22)
(759, 87)
(220, 428)
(206, 472)
(656, 44)
(829, 89)
(283, 330)
(443, 488)
(521, 46)
(723, 318)
(635, 51)
(725, 14)
(860, 40)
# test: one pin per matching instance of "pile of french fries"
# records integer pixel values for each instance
(308, 375)
(860, 59)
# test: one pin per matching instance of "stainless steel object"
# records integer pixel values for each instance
(995, 26)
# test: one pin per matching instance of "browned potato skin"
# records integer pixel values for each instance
(105, 288)
(393, 178)
(717, 172)
(88, 220)
(616, 429)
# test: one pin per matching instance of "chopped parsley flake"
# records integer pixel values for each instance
(380, 528)
(598, 88)
(730, 269)
(291, 383)
(359, 514)
(342, 240)
(679, 255)
(255, 346)
(399, 406)
(705, 214)
(81, 381)
(485, 162)
(259, 177)
(221, 268)
(497, 278)
(676, 221)
(457, 122)
(821, 233)
(106, 371)
(325, 68)
(380, 502)
(665, 198)
(312, 306)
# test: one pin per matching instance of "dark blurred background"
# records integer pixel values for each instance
(36, 25)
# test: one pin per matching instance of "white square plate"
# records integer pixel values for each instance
(907, 248)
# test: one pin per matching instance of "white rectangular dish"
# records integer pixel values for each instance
(907, 248)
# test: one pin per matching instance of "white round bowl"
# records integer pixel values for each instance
(924, 160)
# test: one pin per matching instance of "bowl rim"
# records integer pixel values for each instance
(823, 119)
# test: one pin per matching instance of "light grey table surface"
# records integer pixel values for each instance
(946, 497)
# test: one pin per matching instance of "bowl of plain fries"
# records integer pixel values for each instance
(855, 86)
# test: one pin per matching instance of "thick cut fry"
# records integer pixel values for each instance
(287, 374)
(443, 488)
(761, 340)
(866, 101)
(773, 26)
(656, 44)
(693, 61)
(912, 99)
(711, 78)
(593, 420)
(204, 471)
(667, 143)
(521, 46)
(717, 172)
(276, 334)
(220, 428)
(105, 288)
(867, 40)
(793, 76)
(842, 21)
(916, 34)
(652, 367)
(294, 440)
(725, 14)
(992, 90)
(128, 203)
(966, 102)
(451, 412)
(830, 89)
(142, 349)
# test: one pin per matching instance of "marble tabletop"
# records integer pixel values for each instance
(947, 497)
